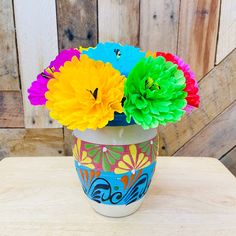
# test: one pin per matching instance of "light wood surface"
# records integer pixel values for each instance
(188, 196)
(118, 21)
(9, 77)
(159, 25)
(227, 29)
(36, 30)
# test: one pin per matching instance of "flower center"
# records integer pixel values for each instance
(94, 93)
(104, 149)
(150, 84)
(118, 53)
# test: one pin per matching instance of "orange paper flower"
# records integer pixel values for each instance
(85, 94)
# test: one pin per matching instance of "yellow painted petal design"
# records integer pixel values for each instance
(83, 158)
(132, 162)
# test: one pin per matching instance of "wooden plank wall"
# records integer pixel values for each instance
(202, 32)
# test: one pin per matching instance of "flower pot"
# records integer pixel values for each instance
(115, 165)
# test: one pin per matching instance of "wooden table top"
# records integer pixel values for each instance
(188, 196)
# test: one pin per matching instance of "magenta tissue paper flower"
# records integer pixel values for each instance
(38, 87)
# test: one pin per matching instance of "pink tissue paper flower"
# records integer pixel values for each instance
(38, 87)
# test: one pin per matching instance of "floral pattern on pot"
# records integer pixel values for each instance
(132, 162)
(115, 158)
(150, 147)
(115, 189)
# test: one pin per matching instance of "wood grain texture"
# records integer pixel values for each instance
(37, 44)
(187, 196)
(215, 139)
(217, 91)
(77, 23)
(31, 142)
(227, 29)
(159, 25)
(9, 77)
(229, 160)
(198, 26)
(11, 109)
(68, 142)
(119, 21)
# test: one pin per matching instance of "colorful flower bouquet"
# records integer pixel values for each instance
(114, 97)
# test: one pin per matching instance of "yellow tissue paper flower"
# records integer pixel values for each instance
(85, 94)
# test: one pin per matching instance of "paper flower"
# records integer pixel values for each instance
(85, 94)
(39, 87)
(122, 58)
(191, 88)
(154, 93)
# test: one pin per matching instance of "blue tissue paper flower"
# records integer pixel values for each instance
(122, 57)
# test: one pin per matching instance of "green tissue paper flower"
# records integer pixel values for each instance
(154, 93)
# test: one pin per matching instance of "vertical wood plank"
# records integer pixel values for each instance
(218, 91)
(227, 29)
(11, 109)
(36, 30)
(9, 78)
(215, 139)
(68, 142)
(198, 33)
(119, 21)
(77, 23)
(159, 25)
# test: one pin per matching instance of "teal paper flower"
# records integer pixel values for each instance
(154, 93)
(122, 58)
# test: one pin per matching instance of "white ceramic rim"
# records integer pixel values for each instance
(116, 135)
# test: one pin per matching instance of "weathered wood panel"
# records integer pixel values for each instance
(31, 142)
(198, 26)
(227, 29)
(218, 91)
(215, 139)
(68, 141)
(11, 109)
(37, 44)
(159, 25)
(77, 23)
(229, 160)
(119, 21)
(9, 78)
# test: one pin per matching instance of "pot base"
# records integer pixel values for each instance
(116, 210)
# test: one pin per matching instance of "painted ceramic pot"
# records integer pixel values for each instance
(115, 165)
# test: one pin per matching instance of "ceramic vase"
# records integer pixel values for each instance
(115, 166)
